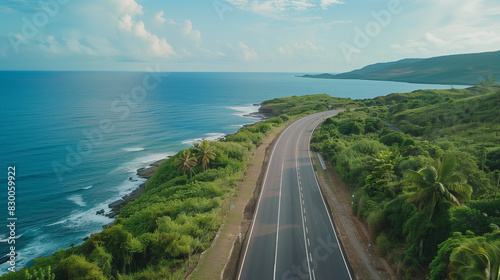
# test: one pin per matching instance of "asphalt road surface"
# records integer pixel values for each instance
(292, 235)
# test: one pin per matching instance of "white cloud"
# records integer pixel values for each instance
(50, 45)
(285, 50)
(282, 9)
(248, 53)
(159, 17)
(454, 26)
(75, 47)
(308, 46)
(325, 3)
(125, 22)
(128, 7)
(302, 5)
(189, 31)
(429, 43)
(306, 50)
(154, 45)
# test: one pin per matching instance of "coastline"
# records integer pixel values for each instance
(147, 172)
(144, 173)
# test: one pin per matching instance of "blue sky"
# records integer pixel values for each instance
(304, 36)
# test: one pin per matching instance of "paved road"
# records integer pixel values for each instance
(292, 235)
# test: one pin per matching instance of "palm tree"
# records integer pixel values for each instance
(186, 162)
(441, 183)
(476, 259)
(435, 184)
(205, 154)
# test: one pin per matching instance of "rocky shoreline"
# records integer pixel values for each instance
(147, 172)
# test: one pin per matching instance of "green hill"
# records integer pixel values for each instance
(462, 69)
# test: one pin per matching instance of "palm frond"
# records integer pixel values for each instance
(429, 173)
(446, 168)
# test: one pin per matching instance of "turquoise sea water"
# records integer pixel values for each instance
(77, 138)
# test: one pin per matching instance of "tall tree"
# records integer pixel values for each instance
(205, 154)
(439, 183)
(435, 184)
(186, 162)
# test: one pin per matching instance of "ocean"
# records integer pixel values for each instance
(76, 139)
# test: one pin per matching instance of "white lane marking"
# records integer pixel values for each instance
(314, 276)
(311, 257)
(278, 223)
(308, 243)
(260, 198)
(307, 230)
(302, 206)
(279, 209)
(322, 198)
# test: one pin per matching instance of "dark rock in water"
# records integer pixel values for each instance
(85, 238)
(145, 173)
(72, 245)
(115, 206)
(132, 179)
(258, 115)
(157, 163)
(5, 259)
(100, 212)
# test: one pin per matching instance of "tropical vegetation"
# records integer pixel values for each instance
(423, 170)
(161, 234)
(422, 167)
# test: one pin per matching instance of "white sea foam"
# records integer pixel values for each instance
(208, 137)
(4, 238)
(86, 218)
(133, 149)
(86, 188)
(81, 219)
(77, 199)
(243, 111)
(56, 223)
(131, 167)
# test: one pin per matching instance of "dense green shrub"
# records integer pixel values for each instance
(351, 127)
(465, 218)
(493, 160)
(277, 120)
(372, 125)
(392, 138)
(383, 244)
(77, 268)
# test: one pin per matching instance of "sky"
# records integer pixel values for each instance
(302, 36)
